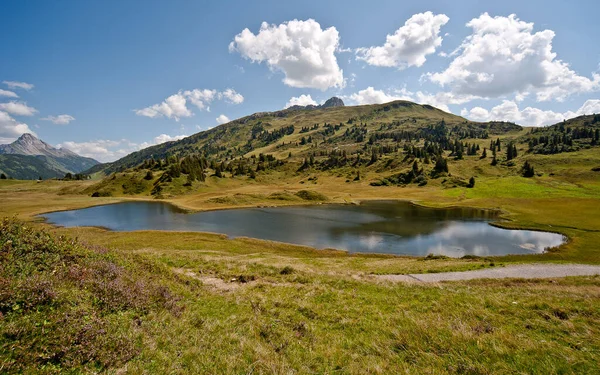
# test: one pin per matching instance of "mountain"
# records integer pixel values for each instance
(330, 103)
(29, 158)
(307, 130)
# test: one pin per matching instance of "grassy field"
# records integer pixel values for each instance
(250, 306)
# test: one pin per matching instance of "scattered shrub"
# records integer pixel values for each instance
(309, 195)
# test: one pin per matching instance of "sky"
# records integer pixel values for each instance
(106, 78)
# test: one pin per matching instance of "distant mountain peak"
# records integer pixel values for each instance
(27, 137)
(333, 102)
(330, 103)
(34, 155)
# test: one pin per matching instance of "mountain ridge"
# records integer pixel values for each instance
(30, 157)
(236, 133)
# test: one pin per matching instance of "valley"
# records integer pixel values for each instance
(286, 306)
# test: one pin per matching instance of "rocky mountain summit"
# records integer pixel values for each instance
(28, 144)
(29, 158)
(330, 103)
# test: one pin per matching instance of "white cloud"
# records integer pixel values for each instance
(200, 98)
(60, 119)
(372, 96)
(503, 56)
(9, 94)
(222, 119)
(530, 116)
(232, 96)
(300, 49)
(17, 108)
(109, 150)
(11, 129)
(175, 106)
(18, 85)
(409, 45)
(301, 100)
(101, 150)
(167, 138)
(439, 100)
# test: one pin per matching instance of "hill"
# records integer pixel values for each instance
(29, 158)
(397, 143)
(282, 131)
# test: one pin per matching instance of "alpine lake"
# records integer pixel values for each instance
(387, 227)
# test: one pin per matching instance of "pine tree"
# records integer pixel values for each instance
(471, 182)
(527, 170)
(415, 169)
(373, 157)
(441, 166)
(484, 154)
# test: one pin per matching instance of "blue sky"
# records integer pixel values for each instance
(107, 78)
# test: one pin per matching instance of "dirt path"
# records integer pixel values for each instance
(523, 271)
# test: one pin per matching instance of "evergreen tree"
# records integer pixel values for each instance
(441, 166)
(373, 157)
(511, 151)
(471, 182)
(415, 169)
(527, 170)
(484, 154)
(2, 176)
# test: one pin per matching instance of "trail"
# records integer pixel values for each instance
(522, 271)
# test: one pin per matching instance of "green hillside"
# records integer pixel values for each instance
(268, 132)
(379, 137)
(27, 167)
(30, 158)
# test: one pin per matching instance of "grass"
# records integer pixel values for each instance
(306, 320)
(252, 306)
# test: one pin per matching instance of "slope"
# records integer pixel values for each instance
(29, 158)
(282, 131)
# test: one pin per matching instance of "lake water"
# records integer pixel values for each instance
(373, 227)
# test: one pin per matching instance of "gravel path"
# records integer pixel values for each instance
(523, 271)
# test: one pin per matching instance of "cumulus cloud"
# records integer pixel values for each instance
(409, 45)
(200, 98)
(167, 138)
(105, 150)
(503, 55)
(175, 106)
(222, 119)
(8, 94)
(439, 100)
(301, 100)
(231, 96)
(18, 85)
(17, 109)
(101, 149)
(60, 119)
(373, 96)
(509, 111)
(11, 129)
(303, 51)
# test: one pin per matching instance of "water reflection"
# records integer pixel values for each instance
(380, 227)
